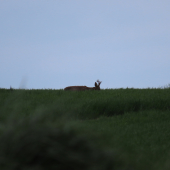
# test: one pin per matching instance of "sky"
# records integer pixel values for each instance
(51, 44)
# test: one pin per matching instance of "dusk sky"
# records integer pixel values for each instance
(51, 44)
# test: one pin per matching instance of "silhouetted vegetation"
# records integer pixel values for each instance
(35, 146)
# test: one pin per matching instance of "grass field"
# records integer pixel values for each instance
(134, 124)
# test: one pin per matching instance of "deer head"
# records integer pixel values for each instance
(97, 86)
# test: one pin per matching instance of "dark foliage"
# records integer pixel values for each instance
(35, 147)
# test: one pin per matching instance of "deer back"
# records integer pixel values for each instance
(75, 88)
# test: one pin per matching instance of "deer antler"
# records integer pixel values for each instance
(99, 82)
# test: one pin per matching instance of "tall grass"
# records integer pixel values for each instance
(83, 104)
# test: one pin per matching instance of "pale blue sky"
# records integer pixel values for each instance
(54, 43)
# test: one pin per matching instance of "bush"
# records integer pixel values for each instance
(36, 147)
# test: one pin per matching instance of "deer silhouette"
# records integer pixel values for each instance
(81, 88)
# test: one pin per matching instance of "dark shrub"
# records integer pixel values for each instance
(37, 147)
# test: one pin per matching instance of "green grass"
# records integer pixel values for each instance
(142, 138)
(133, 123)
(85, 104)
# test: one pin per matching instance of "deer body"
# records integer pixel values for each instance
(82, 88)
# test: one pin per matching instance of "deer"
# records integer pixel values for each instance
(82, 88)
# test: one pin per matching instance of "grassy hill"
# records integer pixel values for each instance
(132, 124)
